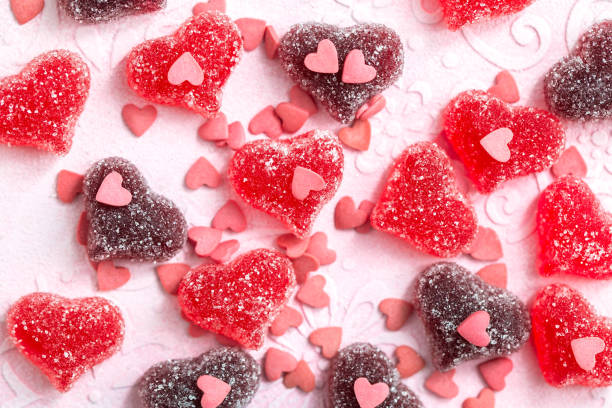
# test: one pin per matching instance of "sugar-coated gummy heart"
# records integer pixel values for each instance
(380, 45)
(538, 137)
(460, 12)
(560, 315)
(422, 204)
(262, 173)
(363, 360)
(446, 294)
(173, 383)
(63, 337)
(580, 85)
(574, 230)
(149, 228)
(39, 107)
(215, 43)
(95, 11)
(239, 300)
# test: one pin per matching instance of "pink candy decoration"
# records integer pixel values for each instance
(325, 60)
(355, 70)
(370, 395)
(474, 328)
(186, 69)
(214, 389)
(585, 350)
(496, 144)
(304, 181)
(112, 193)
(138, 120)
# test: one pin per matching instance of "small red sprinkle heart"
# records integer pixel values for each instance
(301, 98)
(112, 193)
(328, 338)
(26, 10)
(585, 350)
(82, 229)
(355, 70)
(442, 384)
(347, 216)
(267, 122)
(235, 135)
(252, 31)
(277, 362)
(397, 311)
(69, 185)
(170, 275)
(371, 108)
(205, 239)
(214, 129)
(304, 181)
(486, 246)
(214, 389)
(317, 247)
(301, 377)
(325, 60)
(486, 399)
(505, 88)
(303, 266)
(292, 116)
(409, 362)
(224, 251)
(496, 144)
(474, 328)
(138, 120)
(570, 162)
(357, 136)
(366, 206)
(211, 5)
(271, 41)
(230, 216)
(294, 246)
(312, 293)
(111, 277)
(495, 274)
(495, 371)
(288, 317)
(202, 173)
(370, 395)
(186, 69)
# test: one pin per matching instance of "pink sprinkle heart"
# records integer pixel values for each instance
(312, 293)
(486, 399)
(26, 10)
(111, 277)
(370, 395)
(474, 328)
(301, 98)
(202, 173)
(271, 41)
(112, 193)
(206, 239)
(211, 5)
(82, 229)
(371, 108)
(570, 162)
(505, 88)
(294, 246)
(409, 362)
(442, 384)
(252, 31)
(186, 68)
(355, 70)
(224, 251)
(301, 377)
(230, 216)
(585, 350)
(277, 362)
(267, 122)
(356, 136)
(303, 266)
(347, 215)
(69, 185)
(328, 338)
(214, 129)
(495, 371)
(138, 120)
(486, 246)
(495, 274)
(288, 317)
(292, 116)
(170, 275)
(325, 60)
(304, 181)
(367, 206)
(496, 144)
(214, 389)
(397, 311)
(317, 247)
(235, 135)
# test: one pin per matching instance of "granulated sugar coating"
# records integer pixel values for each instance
(575, 232)
(95, 11)
(580, 86)
(262, 172)
(559, 315)
(381, 47)
(363, 360)
(149, 228)
(421, 203)
(446, 294)
(460, 12)
(239, 300)
(214, 42)
(538, 137)
(173, 383)
(63, 337)
(40, 106)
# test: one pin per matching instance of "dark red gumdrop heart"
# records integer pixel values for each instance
(95, 11)
(559, 315)
(39, 107)
(363, 360)
(214, 42)
(239, 300)
(65, 337)
(381, 47)
(574, 231)
(538, 137)
(447, 294)
(580, 85)
(149, 228)
(173, 383)
(422, 204)
(262, 172)
(460, 12)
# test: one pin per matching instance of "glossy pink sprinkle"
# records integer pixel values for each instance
(474, 328)
(570, 162)
(304, 181)
(371, 108)
(271, 41)
(325, 60)
(214, 389)
(303, 99)
(317, 247)
(370, 395)
(442, 384)
(186, 68)
(355, 70)
(112, 193)
(210, 5)
(235, 135)
(292, 116)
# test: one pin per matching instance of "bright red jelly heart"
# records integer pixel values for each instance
(537, 138)
(39, 107)
(460, 12)
(382, 50)
(559, 316)
(575, 232)
(421, 203)
(262, 173)
(211, 39)
(65, 337)
(94, 11)
(239, 300)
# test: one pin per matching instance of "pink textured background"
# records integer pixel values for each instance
(39, 251)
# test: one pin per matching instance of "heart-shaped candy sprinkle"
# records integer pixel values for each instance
(495, 371)
(214, 389)
(347, 216)
(288, 317)
(312, 293)
(356, 136)
(397, 312)
(170, 275)
(505, 88)
(303, 99)
(485, 399)
(26, 10)
(409, 362)
(302, 377)
(487, 245)
(138, 120)
(303, 266)
(252, 31)
(328, 338)
(277, 362)
(205, 239)
(271, 42)
(585, 350)
(111, 191)
(231, 217)
(294, 247)
(442, 384)
(202, 173)
(186, 69)
(225, 250)
(495, 274)
(69, 185)
(496, 144)
(209, 5)
(370, 395)
(266, 122)
(317, 247)
(304, 181)
(355, 70)
(570, 162)
(292, 116)
(474, 328)
(325, 60)
(111, 277)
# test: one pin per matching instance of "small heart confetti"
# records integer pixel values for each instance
(474, 328)
(357, 136)
(355, 70)
(303, 99)
(409, 362)
(304, 181)
(294, 247)
(325, 60)
(111, 277)
(486, 399)
(112, 193)
(371, 107)
(496, 144)
(317, 247)
(205, 239)
(235, 135)
(347, 216)
(505, 88)
(170, 275)
(210, 5)
(271, 42)
(225, 250)
(186, 69)
(570, 162)
(328, 338)
(585, 350)
(288, 317)
(301, 377)
(138, 120)
(495, 371)
(312, 293)
(277, 362)
(370, 395)
(442, 384)
(69, 185)
(487, 245)
(303, 266)
(495, 274)
(202, 173)
(26, 10)
(252, 31)
(397, 311)
(214, 389)
(266, 122)
(215, 129)
(292, 116)
(231, 217)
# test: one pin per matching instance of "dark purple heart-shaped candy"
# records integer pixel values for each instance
(94, 11)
